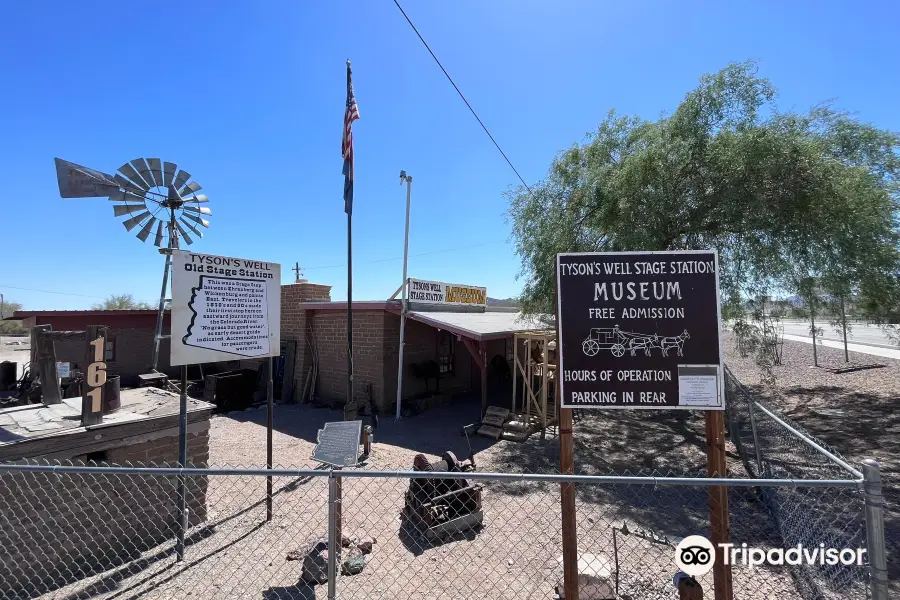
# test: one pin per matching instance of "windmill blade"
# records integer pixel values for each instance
(191, 188)
(199, 198)
(196, 231)
(127, 184)
(159, 235)
(144, 233)
(129, 171)
(197, 220)
(198, 209)
(156, 169)
(168, 173)
(184, 234)
(144, 169)
(135, 220)
(77, 181)
(127, 209)
(125, 196)
(182, 178)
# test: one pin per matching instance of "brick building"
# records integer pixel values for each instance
(463, 343)
(129, 343)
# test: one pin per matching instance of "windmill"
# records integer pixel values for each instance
(153, 196)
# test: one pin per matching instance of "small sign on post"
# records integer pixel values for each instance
(338, 444)
(63, 369)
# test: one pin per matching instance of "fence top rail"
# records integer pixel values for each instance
(366, 474)
(803, 437)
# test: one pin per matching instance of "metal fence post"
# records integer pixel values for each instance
(759, 466)
(333, 543)
(878, 578)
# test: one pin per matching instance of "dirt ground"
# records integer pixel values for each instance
(856, 413)
(240, 555)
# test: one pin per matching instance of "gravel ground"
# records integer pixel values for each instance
(856, 413)
(514, 556)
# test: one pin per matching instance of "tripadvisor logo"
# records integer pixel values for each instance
(696, 555)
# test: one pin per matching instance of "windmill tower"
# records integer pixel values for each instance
(153, 195)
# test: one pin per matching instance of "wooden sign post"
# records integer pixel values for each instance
(718, 502)
(94, 375)
(641, 330)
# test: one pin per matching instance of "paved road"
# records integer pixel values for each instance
(858, 333)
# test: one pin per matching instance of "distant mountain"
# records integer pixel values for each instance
(512, 302)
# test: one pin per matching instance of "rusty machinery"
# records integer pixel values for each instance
(442, 506)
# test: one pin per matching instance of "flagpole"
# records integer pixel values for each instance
(349, 289)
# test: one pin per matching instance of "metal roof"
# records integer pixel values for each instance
(24, 314)
(481, 326)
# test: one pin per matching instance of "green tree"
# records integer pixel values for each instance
(7, 327)
(121, 302)
(782, 196)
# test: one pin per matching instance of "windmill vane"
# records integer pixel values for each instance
(143, 189)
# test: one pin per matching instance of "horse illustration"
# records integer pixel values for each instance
(643, 343)
(677, 342)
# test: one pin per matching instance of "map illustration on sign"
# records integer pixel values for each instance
(229, 315)
(618, 342)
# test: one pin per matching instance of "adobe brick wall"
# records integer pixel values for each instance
(294, 322)
(330, 331)
(57, 528)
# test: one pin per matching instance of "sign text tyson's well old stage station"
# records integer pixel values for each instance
(639, 330)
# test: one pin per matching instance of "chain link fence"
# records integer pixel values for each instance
(772, 446)
(79, 532)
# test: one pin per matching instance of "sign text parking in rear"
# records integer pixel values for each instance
(639, 330)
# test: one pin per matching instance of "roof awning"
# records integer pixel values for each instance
(481, 326)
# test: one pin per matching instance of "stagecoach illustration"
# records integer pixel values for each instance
(618, 342)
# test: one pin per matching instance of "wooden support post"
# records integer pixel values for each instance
(44, 356)
(545, 381)
(515, 369)
(477, 350)
(718, 502)
(566, 490)
(567, 495)
(484, 391)
(94, 370)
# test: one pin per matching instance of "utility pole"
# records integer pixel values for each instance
(297, 272)
(404, 303)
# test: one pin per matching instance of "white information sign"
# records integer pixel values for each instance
(63, 369)
(698, 385)
(438, 292)
(224, 308)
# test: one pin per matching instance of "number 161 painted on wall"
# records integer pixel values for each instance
(94, 376)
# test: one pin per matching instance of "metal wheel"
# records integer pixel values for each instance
(590, 347)
(618, 350)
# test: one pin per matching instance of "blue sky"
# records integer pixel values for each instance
(249, 97)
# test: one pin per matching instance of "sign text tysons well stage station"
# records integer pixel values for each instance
(639, 330)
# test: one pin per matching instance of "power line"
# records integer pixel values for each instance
(453, 83)
(381, 260)
(12, 287)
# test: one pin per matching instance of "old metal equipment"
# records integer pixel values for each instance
(442, 506)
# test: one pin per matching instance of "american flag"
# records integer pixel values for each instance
(351, 113)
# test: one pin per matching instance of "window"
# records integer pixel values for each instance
(446, 351)
(109, 354)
